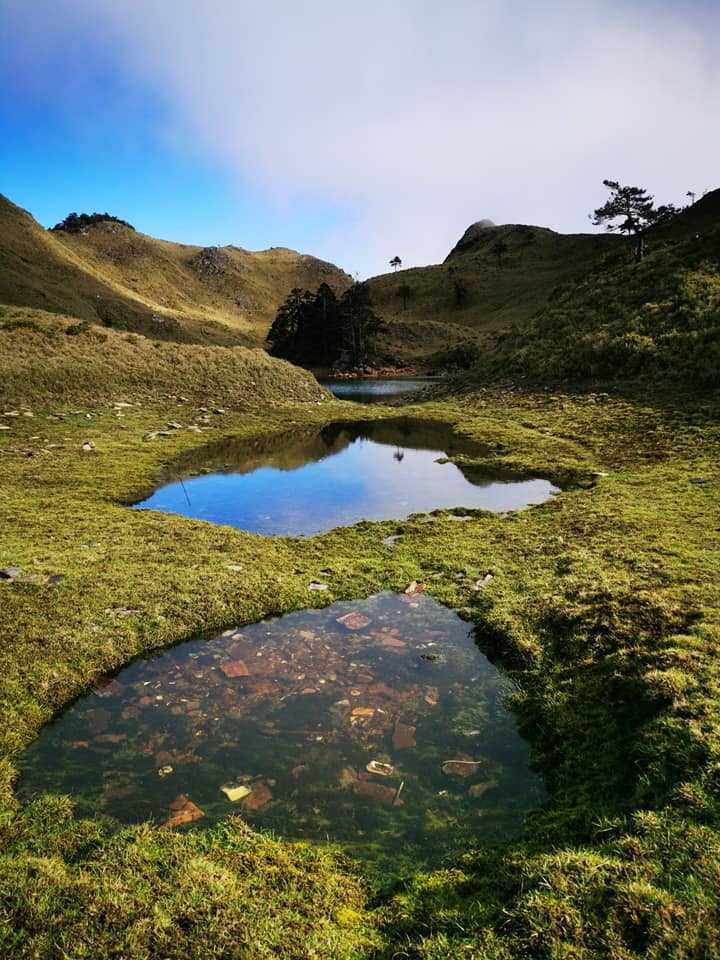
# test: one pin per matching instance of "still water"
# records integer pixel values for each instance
(377, 724)
(307, 482)
(376, 390)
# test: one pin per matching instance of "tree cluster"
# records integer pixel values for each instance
(320, 330)
(76, 222)
(631, 210)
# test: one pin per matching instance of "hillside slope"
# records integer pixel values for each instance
(114, 275)
(659, 318)
(46, 357)
(481, 286)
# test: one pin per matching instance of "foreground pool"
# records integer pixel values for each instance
(376, 724)
(306, 482)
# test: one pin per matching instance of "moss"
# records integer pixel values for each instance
(603, 606)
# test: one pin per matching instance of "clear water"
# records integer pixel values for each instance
(376, 390)
(308, 482)
(291, 712)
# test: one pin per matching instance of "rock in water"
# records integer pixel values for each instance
(403, 736)
(462, 768)
(183, 810)
(236, 791)
(259, 797)
(235, 668)
(354, 620)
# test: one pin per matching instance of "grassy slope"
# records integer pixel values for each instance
(499, 294)
(122, 277)
(43, 355)
(659, 318)
(603, 603)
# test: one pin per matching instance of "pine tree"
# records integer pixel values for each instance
(631, 210)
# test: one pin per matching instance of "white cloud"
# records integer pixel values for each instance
(420, 117)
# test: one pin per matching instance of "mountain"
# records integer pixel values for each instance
(110, 274)
(494, 277)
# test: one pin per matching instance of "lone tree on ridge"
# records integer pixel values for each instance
(395, 263)
(631, 210)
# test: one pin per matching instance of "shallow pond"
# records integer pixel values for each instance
(306, 482)
(377, 724)
(376, 389)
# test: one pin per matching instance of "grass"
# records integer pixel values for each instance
(603, 606)
(44, 355)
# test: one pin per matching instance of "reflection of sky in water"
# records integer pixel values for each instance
(368, 390)
(365, 480)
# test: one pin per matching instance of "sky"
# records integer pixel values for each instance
(355, 132)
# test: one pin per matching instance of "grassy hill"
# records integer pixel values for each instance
(496, 291)
(43, 355)
(659, 318)
(110, 274)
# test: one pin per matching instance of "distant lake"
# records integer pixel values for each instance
(376, 389)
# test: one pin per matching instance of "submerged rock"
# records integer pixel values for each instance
(236, 791)
(235, 668)
(403, 736)
(354, 620)
(379, 768)
(462, 768)
(183, 811)
(260, 796)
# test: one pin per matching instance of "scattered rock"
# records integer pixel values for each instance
(432, 696)
(317, 586)
(403, 736)
(234, 668)
(391, 540)
(414, 587)
(482, 582)
(56, 578)
(174, 425)
(4, 426)
(236, 791)
(194, 428)
(154, 434)
(165, 771)
(219, 410)
(461, 768)
(354, 620)
(235, 567)
(88, 446)
(379, 768)
(10, 573)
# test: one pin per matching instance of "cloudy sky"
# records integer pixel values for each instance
(353, 131)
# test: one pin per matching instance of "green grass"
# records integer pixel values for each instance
(604, 607)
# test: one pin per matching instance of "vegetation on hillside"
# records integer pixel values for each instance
(108, 273)
(659, 318)
(76, 223)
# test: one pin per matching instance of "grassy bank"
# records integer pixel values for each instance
(603, 603)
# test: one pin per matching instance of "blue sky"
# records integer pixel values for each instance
(352, 132)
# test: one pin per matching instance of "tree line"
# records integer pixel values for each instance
(322, 330)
